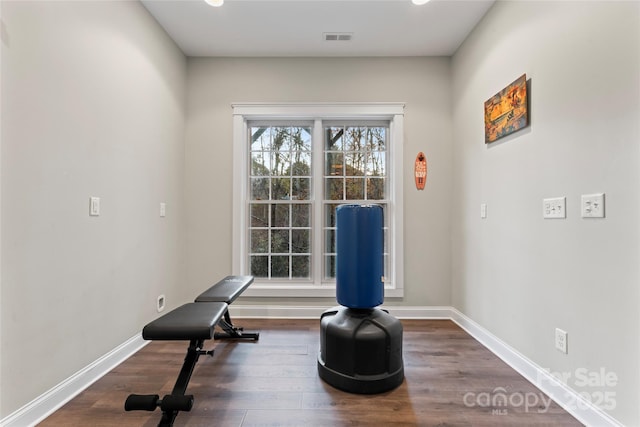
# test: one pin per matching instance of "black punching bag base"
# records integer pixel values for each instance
(360, 350)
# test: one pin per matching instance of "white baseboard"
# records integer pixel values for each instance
(38, 409)
(292, 312)
(571, 401)
(567, 398)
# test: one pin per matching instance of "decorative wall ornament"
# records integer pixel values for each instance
(506, 112)
(420, 171)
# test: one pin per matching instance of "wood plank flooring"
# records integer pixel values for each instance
(450, 380)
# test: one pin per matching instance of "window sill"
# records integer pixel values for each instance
(304, 291)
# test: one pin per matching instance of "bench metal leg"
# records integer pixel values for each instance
(177, 401)
(233, 332)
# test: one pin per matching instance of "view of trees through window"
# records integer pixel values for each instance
(281, 203)
(354, 172)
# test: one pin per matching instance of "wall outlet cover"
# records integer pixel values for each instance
(554, 208)
(561, 340)
(592, 205)
(160, 303)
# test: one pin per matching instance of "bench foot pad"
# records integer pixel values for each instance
(141, 402)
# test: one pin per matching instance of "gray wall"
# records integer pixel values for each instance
(514, 273)
(93, 102)
(422, 83)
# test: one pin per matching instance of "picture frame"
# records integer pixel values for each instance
(507, 111)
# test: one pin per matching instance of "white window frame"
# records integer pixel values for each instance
(246, 112)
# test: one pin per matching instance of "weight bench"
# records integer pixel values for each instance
(227, 290)
(194, 322)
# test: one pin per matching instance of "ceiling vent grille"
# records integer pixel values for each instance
(340, 37)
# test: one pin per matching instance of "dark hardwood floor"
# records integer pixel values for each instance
(450, 380)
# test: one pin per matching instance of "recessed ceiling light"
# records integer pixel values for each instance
(214, 3)
(419, 2)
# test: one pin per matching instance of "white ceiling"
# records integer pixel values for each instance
(296, 27)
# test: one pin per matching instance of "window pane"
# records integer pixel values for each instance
(330, 267)
(300, 242)
(281, 163)
(259, 188)
(259, 215)
(280, 215)
(386, 265)
(300, 216)
(280, 139)
(355, 188)
(376, 164)
(376, 138)
(330, 241)
(261, 138)
(334, 189)
(354, 164)
(260, 266)
(354, 138)
(375, 189)
(279, 266)
(300, 267)
(280, 188)
(301, 164)
(385, 216)
(386, 238)
(330, 215)
(300, 188)
(333, 138)
(261, 163)
(334, 164)
(259, 241)
(301, 138)
(280, 241)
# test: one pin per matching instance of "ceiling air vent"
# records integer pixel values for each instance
(340, 37)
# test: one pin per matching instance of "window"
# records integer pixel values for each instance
(294, 164)
(280, 203)
(355, 165)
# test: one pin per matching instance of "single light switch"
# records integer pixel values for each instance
(163, 209)
(94, 206)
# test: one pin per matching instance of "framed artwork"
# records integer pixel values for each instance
(507, 111)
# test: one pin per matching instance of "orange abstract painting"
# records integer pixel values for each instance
(506, 112)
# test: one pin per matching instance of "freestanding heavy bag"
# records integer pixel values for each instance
(360, 263)
(360, 344)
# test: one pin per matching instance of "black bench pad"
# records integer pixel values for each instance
(226, 290)
(192, 321)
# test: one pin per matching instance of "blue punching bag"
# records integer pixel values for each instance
(359, 248)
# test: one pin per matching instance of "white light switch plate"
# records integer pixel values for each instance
(94, 206)
(592, 205)
(163, 209)
(554, 208)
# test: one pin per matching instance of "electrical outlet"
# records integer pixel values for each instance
(561, 340)
(593, 205)
(483, 210)
(554, 208)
